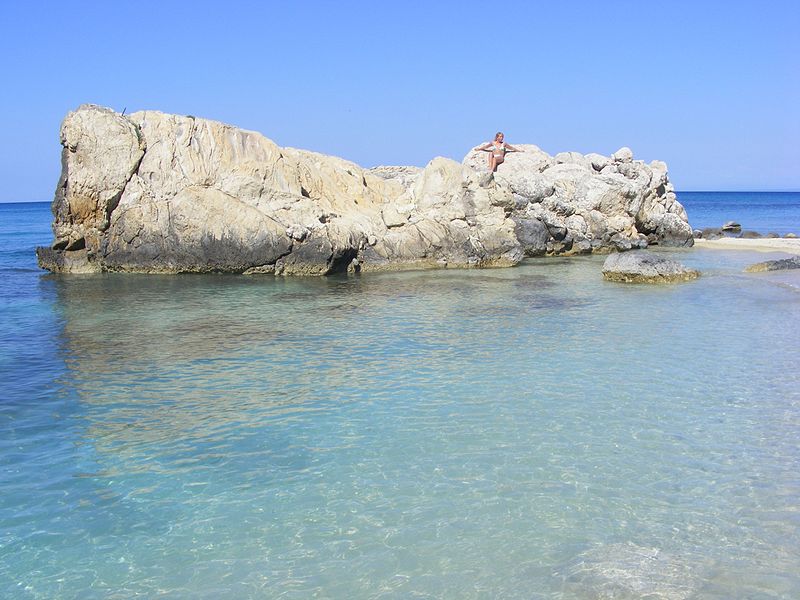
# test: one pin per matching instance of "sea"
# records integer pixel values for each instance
(762, 212)
(532, 432)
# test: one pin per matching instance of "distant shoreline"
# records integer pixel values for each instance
(789, 245)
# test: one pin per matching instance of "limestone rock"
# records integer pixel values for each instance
(732, 226)
(642, 266)
(750, 235)
(598, 161)
(533, 235)
(153, 192)
(671, 230)
(712, 233)
(775, 265)
(101, 151)
(623, 155)
(590, 200)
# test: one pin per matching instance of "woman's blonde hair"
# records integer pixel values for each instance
(498, 134)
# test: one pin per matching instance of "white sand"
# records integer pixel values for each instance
(790, 245)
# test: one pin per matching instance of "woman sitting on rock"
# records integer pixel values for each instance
(497, 150)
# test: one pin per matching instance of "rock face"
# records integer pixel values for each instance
(589, 203)
(153, 192)
(645, 267)
(775, 265)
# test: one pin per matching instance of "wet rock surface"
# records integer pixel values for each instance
(642, 266)
(775, 265)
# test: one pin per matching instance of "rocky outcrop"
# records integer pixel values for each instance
(589, 203)
(645, 267)
(153, 192)
(775, 265)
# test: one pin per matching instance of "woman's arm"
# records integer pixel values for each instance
(510, 148)
(484, 148)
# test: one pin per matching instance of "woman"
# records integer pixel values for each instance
(497, 150)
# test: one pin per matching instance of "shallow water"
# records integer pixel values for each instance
(518, 433)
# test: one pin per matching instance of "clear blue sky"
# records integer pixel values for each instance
(712, 88)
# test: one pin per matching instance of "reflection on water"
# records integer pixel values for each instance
(516, 433)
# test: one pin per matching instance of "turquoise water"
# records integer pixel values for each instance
(531, 432)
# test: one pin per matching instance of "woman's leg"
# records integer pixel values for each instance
(491, 161)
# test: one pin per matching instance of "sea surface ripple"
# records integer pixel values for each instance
(532, 432)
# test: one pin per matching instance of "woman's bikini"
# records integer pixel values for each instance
(499, 151)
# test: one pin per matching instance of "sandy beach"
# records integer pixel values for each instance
(789, 245)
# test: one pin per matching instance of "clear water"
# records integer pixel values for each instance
(517, 433)
(764, 212)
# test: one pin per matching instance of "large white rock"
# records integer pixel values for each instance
(100, 153)
(592, 202)
(154, 192)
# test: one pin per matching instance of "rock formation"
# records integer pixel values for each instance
(775, 265)
(152, 192)
(571, 203)
(645, 267)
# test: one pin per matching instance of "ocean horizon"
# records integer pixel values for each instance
(528, 432)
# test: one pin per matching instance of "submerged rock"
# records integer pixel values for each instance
(642, 266)
(775, 265)
(153, 192)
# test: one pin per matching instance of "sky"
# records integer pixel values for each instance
(711, 88)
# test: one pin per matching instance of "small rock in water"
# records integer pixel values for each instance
(791, 236)
(772, 234)
(732, 226)
(698, 233)
(712, 233)
(775, 265)
(641, 266)
(354, 266)
(750, 235)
